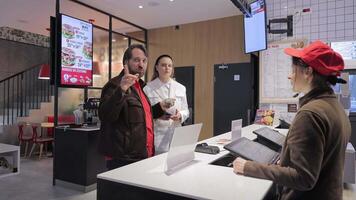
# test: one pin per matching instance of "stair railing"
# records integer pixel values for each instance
(21, 92)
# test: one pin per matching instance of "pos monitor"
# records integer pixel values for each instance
(255, 29)
(75, 38)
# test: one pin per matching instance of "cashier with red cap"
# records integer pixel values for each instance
(312, 158)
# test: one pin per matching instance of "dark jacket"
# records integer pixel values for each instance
(312, 159)
(123, 124)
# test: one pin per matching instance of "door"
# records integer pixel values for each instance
(233, 95)
(185, 76)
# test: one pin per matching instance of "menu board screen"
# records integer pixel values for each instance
(76, 52)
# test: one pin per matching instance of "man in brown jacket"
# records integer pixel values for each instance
(312, 159)
(126, 114)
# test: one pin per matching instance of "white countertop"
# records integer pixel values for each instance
(85, 128)
(4, 148)
(199, 180)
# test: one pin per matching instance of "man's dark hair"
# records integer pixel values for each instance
(128, 52)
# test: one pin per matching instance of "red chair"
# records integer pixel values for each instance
(40, 140)
(24, 136)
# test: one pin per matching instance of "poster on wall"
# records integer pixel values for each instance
(76, 52)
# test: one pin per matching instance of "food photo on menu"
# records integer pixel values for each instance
(87, 50)
(68, 57)
(68, 31)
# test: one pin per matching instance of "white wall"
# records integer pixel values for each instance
(329, 20)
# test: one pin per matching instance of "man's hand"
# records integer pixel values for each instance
(128, 79)
(239, 165)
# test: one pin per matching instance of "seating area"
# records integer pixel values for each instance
(39, 134)
(31, 133)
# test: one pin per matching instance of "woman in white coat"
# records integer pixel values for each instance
(160, 88)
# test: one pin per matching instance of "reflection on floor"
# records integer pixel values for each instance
(35, 182)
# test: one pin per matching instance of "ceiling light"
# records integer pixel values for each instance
(171, 0)
(113, 40)
(140, 6)
(125, 38)
(44, 72)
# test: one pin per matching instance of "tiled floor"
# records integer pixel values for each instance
(35, 182)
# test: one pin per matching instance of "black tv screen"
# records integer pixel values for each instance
(76, 46)
(255, 28)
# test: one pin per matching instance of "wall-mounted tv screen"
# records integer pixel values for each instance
(255, 29)
(347, 49)
(76, 46)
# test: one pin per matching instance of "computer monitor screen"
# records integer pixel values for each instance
(347, 49)
(255, 29)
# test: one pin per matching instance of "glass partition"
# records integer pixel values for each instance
(100, 57)
(69, 100)
(122, 32)
(119, 45)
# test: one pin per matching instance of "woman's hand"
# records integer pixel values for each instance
(239, 165)
(177, 116)
(165, 117)
(167, 103)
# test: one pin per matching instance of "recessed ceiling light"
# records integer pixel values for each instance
(140, 6)
(171, 0)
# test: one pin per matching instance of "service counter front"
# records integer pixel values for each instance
(199, 180)
(76, 158)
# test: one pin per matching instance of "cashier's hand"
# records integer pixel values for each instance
(177, 116)
(239, 165)
(128, 79)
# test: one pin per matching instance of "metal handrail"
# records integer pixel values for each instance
(32, 67)
(21, 92)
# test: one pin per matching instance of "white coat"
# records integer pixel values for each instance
(157, 91)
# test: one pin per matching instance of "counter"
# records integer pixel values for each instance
(200, 180)
(76, 158)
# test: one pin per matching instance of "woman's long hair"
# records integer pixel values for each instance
(155, 71)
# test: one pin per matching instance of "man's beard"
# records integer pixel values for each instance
(139, 72)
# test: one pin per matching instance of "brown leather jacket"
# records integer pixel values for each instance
(123, 125)
(312, 159)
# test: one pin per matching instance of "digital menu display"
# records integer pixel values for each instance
(76, 52)
(255, 29)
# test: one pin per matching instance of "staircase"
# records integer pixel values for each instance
(23, 97)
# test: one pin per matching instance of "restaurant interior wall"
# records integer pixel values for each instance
(328, 20)
(200, 44)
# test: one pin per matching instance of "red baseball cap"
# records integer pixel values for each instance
(320, 57)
